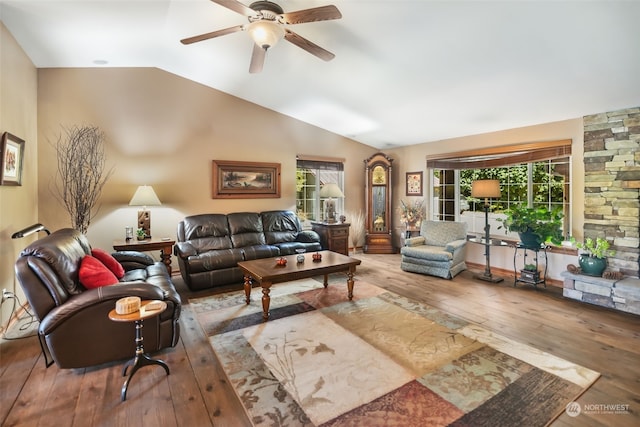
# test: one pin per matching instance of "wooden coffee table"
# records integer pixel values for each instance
(266, 272)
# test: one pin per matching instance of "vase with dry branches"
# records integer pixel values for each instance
(81, 173)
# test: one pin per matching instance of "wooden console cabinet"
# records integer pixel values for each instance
(333, 237)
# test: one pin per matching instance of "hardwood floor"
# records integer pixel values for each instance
(197, 393)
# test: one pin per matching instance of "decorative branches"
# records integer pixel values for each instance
(411, 214)
(81, 164)
(357, 228)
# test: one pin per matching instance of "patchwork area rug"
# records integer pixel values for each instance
(378, 360)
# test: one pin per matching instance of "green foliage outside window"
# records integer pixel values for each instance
(548, 186)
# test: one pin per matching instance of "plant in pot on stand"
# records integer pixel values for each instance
(593, 259)
(535, 226)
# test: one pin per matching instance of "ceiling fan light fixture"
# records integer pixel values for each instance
(265, 33)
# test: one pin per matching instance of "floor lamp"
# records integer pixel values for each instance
(486, 188)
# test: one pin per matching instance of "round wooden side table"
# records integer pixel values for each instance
(141, 358)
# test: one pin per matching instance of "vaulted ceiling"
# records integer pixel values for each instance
(405, 71)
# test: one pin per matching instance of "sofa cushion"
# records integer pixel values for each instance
(94, 274)
(439, 233)
(280, 226)
(206, 232)
(215, 260)
(260, 251)
(434, 253)
(205, 225)
(109, 261)
(246, 229)
(135, 275)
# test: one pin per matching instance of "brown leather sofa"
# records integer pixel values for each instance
(209, 246)
(75, 330)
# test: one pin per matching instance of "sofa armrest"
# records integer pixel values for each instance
(414, 241)
(184, 250)
(89, 298)
(455, 245)
(308, 236)
(132, 260)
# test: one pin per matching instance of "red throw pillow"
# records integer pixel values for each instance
(94, 274)
(109, 261)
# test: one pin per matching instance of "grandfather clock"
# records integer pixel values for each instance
(378, 203)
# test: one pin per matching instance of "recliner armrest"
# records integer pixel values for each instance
(455, 245)
(414, 241)
(184, 250)
(91, 297)
(132, 260)
(308, 236)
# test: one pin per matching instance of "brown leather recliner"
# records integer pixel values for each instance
(75, 329)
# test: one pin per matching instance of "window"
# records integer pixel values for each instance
(311, 175)
(532, 174)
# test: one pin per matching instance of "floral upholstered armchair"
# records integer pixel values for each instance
(439, 250)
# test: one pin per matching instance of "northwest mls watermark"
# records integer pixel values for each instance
(574, 409)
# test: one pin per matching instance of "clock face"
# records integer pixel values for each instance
(379, 177)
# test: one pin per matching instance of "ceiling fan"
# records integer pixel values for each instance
(266, 27)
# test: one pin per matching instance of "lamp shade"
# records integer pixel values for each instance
(265, 33)
(331, 190)
(485, 188)
(145, 196)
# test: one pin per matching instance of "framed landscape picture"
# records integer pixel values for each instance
(12, 160)
(245, 180)
(414, 183)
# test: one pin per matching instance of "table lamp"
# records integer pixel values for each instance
(145, 196)
(485, 189)
(330, 190)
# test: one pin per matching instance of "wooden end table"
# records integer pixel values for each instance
(141, 358)
(165, 246)
(333, 237)
(265, 272)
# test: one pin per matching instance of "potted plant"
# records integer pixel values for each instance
(593, 259)
(535, 226)
(141, 234)
(530, 273)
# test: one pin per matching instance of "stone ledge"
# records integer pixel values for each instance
(600, 281)
(623, 294)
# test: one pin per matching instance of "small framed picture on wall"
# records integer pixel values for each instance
(414, 183)
(12, 153)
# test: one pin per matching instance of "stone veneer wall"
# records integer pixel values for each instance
(612, 185)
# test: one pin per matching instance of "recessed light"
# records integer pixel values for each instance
(100, 62)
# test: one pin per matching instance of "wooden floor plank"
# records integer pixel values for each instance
(223, 408)
(18, 359)
(187, 400)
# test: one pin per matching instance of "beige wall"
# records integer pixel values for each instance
(164, 131)
(18, 204)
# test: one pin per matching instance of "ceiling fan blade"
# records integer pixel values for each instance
(322, 13)
(211, 35)
(310, 47)
(236, 6)
(257, 59)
